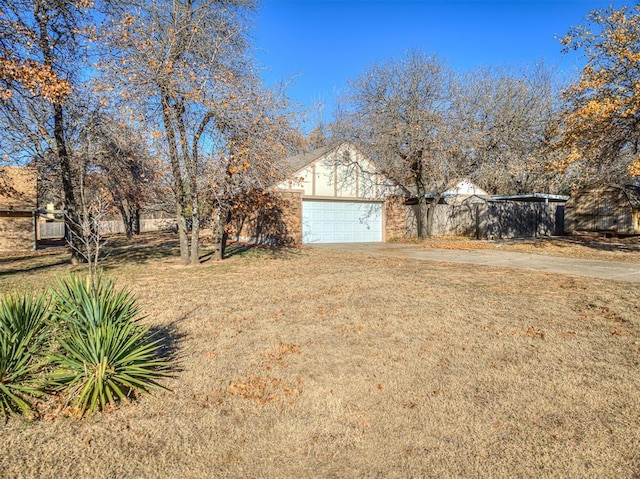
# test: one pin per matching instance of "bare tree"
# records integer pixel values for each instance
(87, 239)
(123, 166)
(398, 113)
(258, 134)
(504, 119)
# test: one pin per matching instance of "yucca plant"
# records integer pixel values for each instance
(23, 337)
(105, 353)
(84, 301)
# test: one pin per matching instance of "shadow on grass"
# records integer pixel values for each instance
(612, 247)
(250, 250)
(120, 250)
(19, 269)
(169, 341)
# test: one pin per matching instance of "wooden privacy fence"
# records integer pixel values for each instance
(56, 229)
(492, 219)
(112, 227)
(51, 230)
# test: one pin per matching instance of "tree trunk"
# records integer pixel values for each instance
(221, 235)
(417, 168)
(130, 218)
(72, 218)
(431, 214)
(136, 221)
(126, 219)
(178, 185)
(422, 207)
(195, 234)
(182, 234)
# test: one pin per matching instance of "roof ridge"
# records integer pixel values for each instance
(301, 160)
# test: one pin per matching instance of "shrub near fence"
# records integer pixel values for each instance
(493, 219)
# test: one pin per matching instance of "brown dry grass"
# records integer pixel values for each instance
(579, 246)
(317, 363)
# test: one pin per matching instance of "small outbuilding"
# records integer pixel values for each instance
(608, 209)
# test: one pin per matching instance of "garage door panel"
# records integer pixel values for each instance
(341, 221)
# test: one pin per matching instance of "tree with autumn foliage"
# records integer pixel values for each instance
(23, 34)
(182, 69)
(600, 127)
(257, 134)
(39, 61)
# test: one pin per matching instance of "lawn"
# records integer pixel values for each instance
(585, 246)
(318, 363)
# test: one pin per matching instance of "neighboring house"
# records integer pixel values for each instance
(465, 188)
(458, 193)
(18, 202)
(610, 208)
(339, 195)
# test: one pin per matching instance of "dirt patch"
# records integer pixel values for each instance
(320, 363)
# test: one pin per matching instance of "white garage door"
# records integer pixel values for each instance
(341, 222)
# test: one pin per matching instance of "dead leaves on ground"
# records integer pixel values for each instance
(266, 389)
(277, 354)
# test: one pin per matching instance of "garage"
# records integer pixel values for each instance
(330, 221)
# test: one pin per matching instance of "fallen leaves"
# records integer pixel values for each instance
(266, 389)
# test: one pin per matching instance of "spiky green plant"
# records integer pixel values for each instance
(105, 354)
(23, 323)
(84, 301)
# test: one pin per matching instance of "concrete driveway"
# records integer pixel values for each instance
(504, 259)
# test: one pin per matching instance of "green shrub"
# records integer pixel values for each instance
(23, 328)
(105, 354)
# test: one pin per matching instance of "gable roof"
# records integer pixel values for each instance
(464, 187)
(298, 162)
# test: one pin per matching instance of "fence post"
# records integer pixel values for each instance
(34, 213)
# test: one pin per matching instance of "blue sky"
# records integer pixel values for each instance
(319, 45)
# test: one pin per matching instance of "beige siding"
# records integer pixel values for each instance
(344, 174)
(325, 178)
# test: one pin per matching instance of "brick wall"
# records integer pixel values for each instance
(293, 215)
(394, 216)
(277, 222)
(16, 233)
